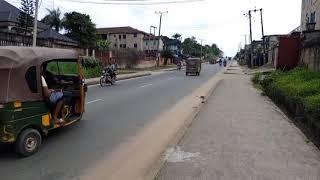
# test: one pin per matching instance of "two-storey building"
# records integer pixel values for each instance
(310, 15)
(123, 37)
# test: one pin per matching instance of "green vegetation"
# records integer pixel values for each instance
(298, 86)
(90, 67)
(193, 48)
(25, 19)
(53, 19)
(63, 68)
(92, 72)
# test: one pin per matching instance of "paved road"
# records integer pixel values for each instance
(113, 114)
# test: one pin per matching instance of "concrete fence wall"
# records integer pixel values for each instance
(310, 57)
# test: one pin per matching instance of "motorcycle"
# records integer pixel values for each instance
(224, 63)
(108, 77)
(179, 65)
(220, 63)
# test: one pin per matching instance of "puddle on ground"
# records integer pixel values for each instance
(175, 154)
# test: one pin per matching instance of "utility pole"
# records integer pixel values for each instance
(35, 24)
(201, 49)
(245, 40)
(263, 39)
(251, 45)
(158, 53)
(149, 42)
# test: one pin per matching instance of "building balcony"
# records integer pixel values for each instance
(310, 26)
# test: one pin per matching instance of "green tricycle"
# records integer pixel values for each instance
(25, 114)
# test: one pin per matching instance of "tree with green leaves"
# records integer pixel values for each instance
(80, 28)
(25, 18)
(192, 48)
(53, 19)
(177, 36)
(103, 46)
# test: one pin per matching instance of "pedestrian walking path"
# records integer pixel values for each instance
(241, 135)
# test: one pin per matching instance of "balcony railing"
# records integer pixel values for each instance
(311, 26)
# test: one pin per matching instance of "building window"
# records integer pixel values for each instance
(154, 42)
(31, 78)
(115, 45)
(119, 36)
(104, 36)
(114, 36)
(124, 45)
(124, 36)
(313, 17)
(120, 45)
(135, 35)
(147, 43)
(135, 45)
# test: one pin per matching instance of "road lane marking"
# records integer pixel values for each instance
(94, 101)
(146, 85)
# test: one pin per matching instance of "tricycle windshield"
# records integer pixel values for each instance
(63, 67)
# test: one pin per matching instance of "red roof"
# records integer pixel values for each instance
(119, 30)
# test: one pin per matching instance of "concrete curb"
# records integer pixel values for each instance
(120, 77)
(135, 76)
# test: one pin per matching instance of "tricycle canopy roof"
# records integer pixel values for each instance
(15, 62)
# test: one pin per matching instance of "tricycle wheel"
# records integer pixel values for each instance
(28, 142)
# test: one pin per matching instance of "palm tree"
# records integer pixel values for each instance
(53, 19)
(177, 36)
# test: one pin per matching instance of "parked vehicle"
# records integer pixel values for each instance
(193, 66)
(25, 115)
(108, 77)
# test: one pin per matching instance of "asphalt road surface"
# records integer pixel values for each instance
(113, 115)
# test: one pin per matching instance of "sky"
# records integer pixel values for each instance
(214, 21)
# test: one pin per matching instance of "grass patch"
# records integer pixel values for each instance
(299, 86)
(93, 71)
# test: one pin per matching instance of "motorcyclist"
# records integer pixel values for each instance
(220, 61)
(224, 62)
(179, 64)
(110, 69)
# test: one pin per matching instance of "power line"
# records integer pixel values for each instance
(134, 2)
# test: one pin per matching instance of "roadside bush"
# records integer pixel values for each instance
(89, 62)
(257, 78)
(298, 86)
(92, 72)
(312, 104)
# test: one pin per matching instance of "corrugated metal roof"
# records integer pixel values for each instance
(10, 13)
(52, 34)
(119, 30)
